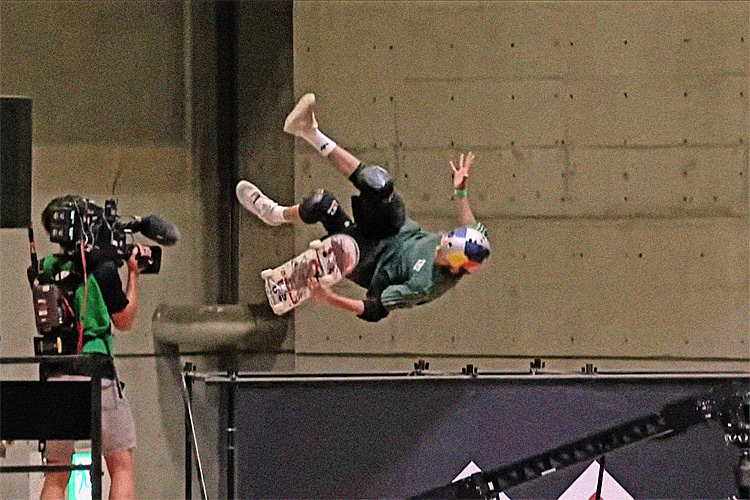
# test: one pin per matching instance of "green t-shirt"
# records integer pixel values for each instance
(97, 330)
(406, 274)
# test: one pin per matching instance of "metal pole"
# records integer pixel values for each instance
(600, 480)
(96, 437)
(230, 435)
(190, 437)
(187, 382)
(226, 144)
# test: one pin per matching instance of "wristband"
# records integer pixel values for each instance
(460, 193)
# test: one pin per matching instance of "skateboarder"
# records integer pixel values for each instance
(400, 265)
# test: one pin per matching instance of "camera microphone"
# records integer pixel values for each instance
(153, 228)
(159, 230)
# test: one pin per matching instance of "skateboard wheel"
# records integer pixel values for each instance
(266, 273)
(315, 244)
(326, 281)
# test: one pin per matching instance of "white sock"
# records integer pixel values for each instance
(322, 143)
(277, 214)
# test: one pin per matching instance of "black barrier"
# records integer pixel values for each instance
(398, 435)
(36, 410)
(44, 410)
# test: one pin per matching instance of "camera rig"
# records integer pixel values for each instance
(99, 232)
(89, 235)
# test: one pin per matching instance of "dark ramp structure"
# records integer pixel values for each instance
(408, 435)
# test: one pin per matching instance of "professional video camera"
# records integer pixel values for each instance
(90, 235)
(102, 235)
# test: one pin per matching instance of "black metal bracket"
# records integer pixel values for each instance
(589, 369)
(420, 367)
(536, 365)
(470, 370)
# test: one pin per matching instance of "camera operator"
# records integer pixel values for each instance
(99, 303)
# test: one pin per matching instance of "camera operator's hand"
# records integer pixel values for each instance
(139, 258)
(125, 319)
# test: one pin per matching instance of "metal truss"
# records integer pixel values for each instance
(673, 419)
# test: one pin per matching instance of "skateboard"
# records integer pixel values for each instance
(327, 260)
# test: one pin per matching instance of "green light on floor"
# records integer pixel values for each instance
(79, 486)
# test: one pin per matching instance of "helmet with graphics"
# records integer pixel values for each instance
(464, 248)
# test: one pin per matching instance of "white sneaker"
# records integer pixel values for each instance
(256, 202)
(301, 121)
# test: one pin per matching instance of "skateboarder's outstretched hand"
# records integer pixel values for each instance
(461, 172)
(324, 294)
(317, 290)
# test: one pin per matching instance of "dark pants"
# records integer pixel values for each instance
(378, 210)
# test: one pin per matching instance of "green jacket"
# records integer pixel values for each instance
(406, 274)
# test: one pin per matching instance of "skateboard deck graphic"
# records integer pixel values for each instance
(328, 261)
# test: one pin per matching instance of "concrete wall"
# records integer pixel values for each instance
(124, 107)
(612, 151)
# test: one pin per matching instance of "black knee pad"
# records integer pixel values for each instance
(321, 206)
(373, 182)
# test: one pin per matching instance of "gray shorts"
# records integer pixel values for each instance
(118, 426)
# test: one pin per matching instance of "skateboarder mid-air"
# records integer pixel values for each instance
(400, 265)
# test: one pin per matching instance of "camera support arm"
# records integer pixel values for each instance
(674, 418)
